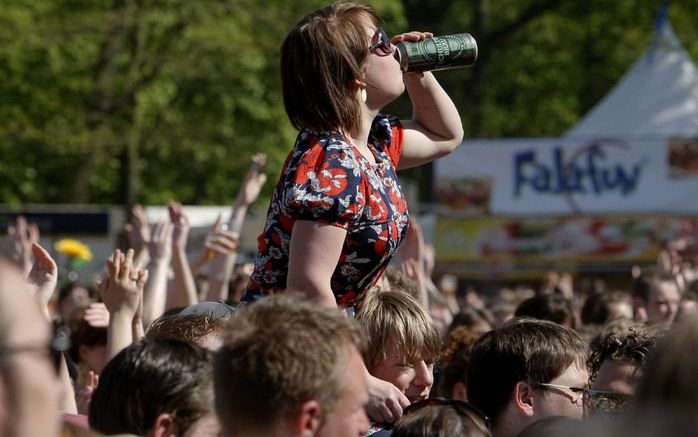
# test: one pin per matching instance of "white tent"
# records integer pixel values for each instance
(657, 97)
(635, 152)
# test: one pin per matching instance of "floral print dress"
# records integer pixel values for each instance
(326, 179)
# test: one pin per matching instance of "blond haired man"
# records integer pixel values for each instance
(402, 343)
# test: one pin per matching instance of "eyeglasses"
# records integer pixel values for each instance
(59, 344)
(462, 407)
(608, 402)
(380, 43)
(578, 392)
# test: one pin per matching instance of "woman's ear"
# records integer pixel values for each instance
(523, 398)
(360, 83)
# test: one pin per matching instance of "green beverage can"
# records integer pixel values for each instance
(437, 53)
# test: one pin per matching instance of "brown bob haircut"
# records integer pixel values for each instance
(524, 349)
(321, 57)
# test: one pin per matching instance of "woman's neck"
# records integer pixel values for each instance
(359, 134)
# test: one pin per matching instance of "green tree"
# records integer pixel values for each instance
(117, 101)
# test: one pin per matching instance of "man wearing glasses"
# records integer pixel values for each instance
(616, 363)
(527, 370)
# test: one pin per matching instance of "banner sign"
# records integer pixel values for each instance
(605, 243)
(556, 176)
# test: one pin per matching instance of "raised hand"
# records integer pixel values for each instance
(181, 226)
(43, 275)
(139, 231)
(159, 245)
(84, 393)
(97, 315)
(123, 285)
(254, 180)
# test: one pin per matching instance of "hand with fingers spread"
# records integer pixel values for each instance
(43, 274)
(121, 288)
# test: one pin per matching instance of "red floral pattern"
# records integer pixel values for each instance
(327, 179)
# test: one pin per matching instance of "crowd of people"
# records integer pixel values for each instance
(340, 326)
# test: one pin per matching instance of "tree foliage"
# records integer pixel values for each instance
(116, 101)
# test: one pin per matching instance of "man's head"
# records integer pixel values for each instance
(155, 387)
(527, 370)
(291, 367)
(402, 342)
(551, 307)
(616, 363)
(656, 298)
(201, 324)
(29, 388)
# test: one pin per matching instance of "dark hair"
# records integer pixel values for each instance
(87, 335)
(471, 317)
(277, 353)
(597, 308)
(552, 426)
(441, 421)
(644, 283)
(150, 378)
(551, 307)
(529, 350)
(321, 57)
(454, 359)
(622, 340)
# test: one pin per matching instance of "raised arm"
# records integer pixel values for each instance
(184, 287)
(222, 267)
(121, 290)
(155, 294)
(435, 129)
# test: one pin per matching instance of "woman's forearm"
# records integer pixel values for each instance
(433, 109)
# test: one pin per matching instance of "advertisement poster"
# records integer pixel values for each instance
(491, 245)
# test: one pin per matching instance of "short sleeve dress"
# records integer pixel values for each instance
(326, 179)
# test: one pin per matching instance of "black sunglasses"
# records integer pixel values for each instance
(380, 43)
(55, 348)
(462, 407)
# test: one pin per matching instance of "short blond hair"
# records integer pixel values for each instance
(395, 320)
